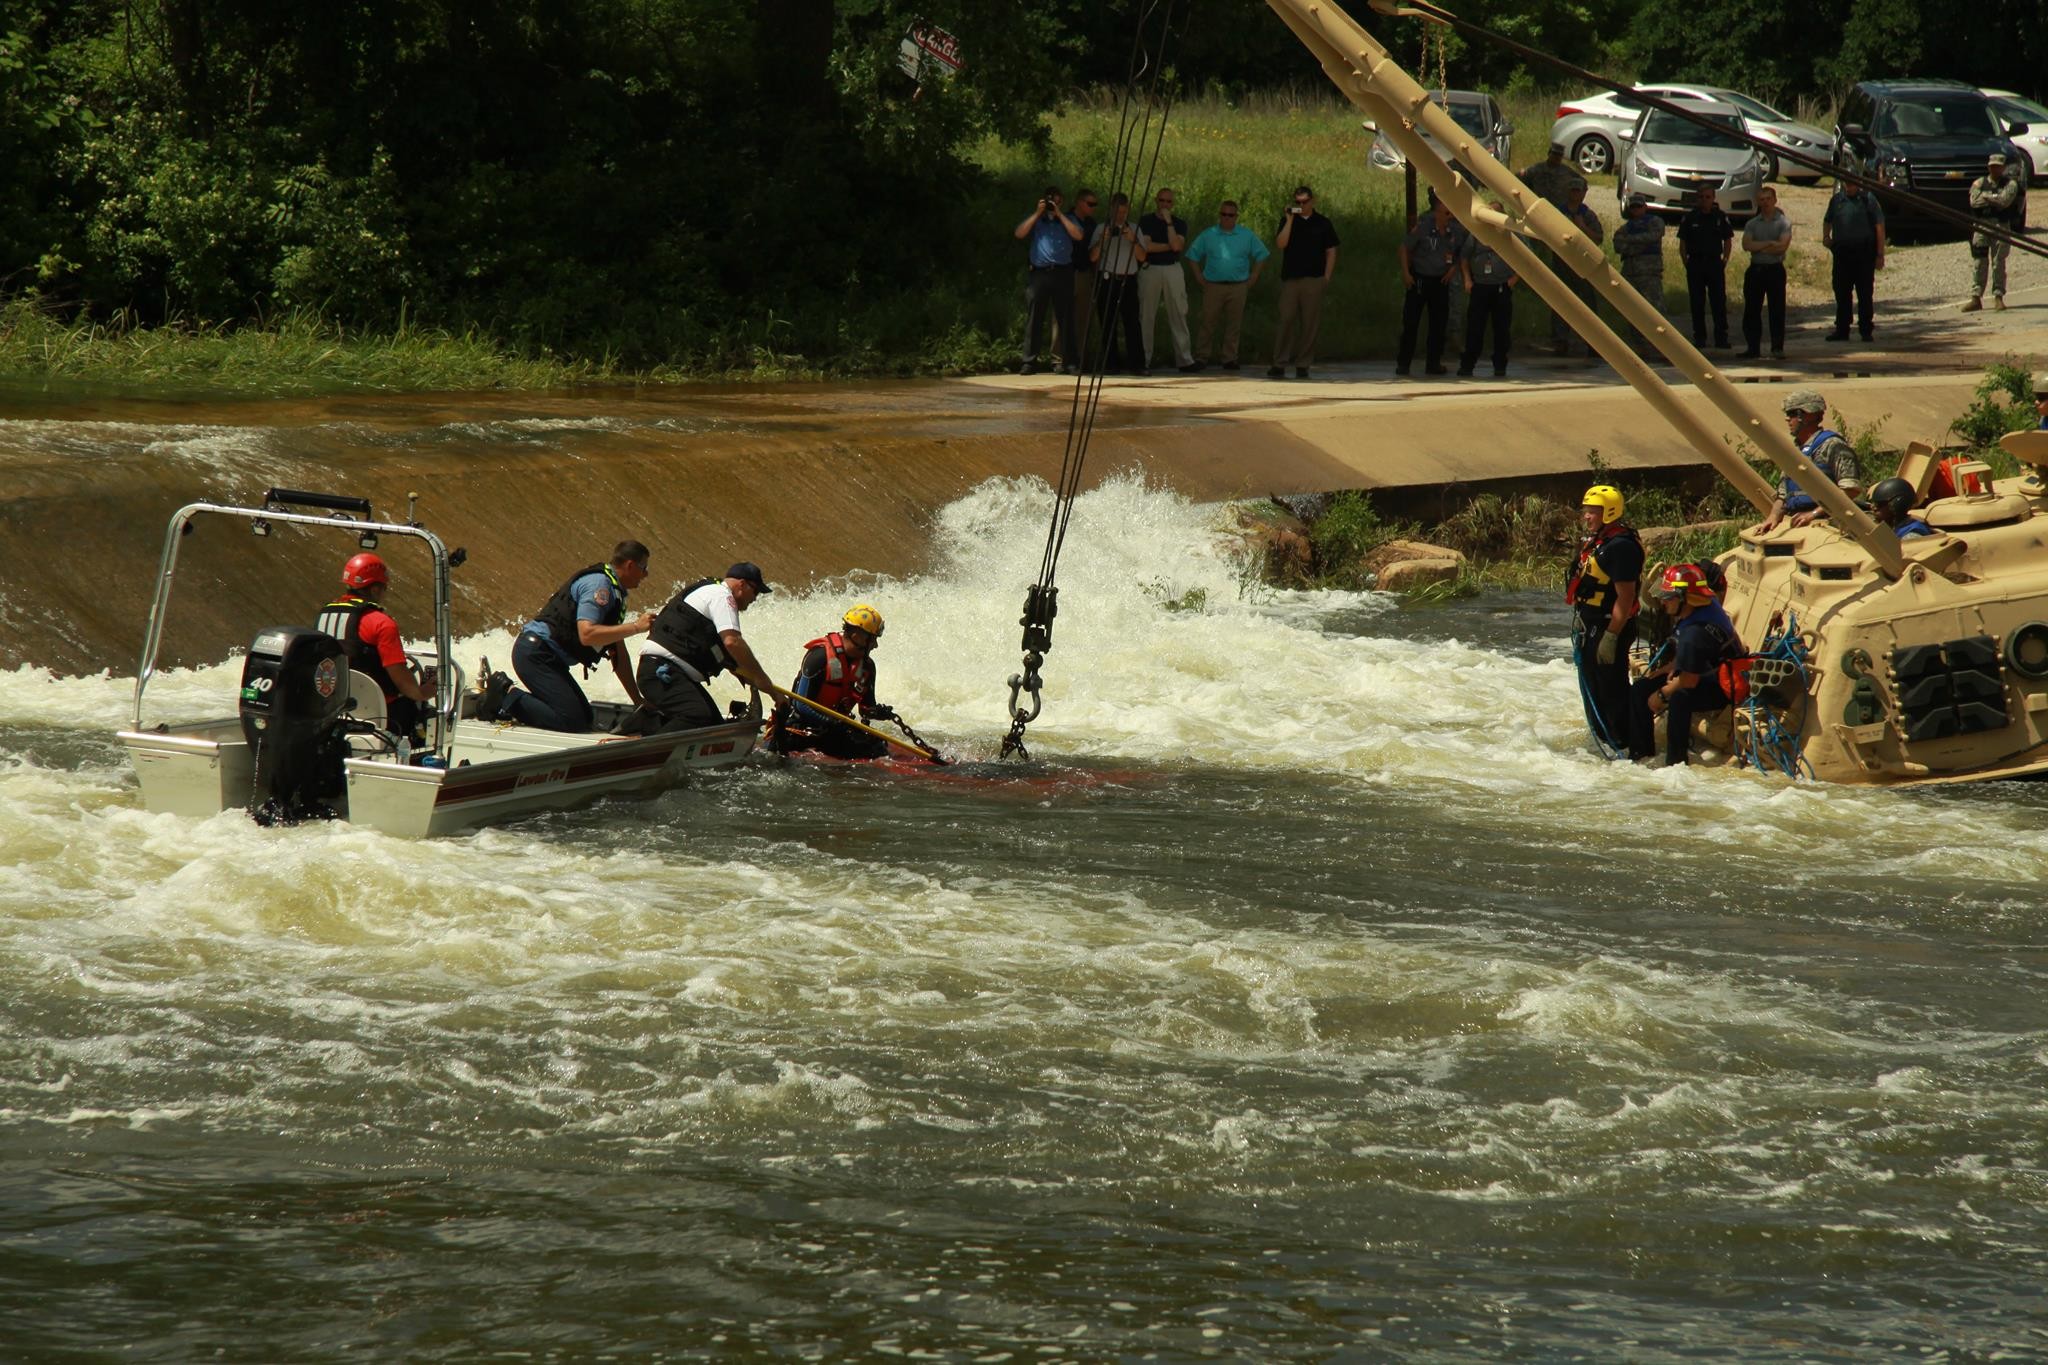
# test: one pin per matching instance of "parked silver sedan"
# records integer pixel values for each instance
(1596, 129)
(1670, 159)
(1472, 110)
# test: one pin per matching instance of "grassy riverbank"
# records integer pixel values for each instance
(967, 317)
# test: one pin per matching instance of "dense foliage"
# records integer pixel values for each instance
(692, 182)
(654, 177)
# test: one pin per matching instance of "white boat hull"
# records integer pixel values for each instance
(495, 774)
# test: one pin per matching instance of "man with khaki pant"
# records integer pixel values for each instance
(1227, 260)
(1163, 281)
(1308, 257)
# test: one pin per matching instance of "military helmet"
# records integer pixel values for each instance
(2041, 383)
(1892, 497)
(363, 571)
(1607, 498)
(1805, 400)
(865, 617)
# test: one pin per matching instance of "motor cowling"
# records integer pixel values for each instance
(294, 693)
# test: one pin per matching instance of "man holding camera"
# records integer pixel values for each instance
(1049, 278)
(1162, 280)
(1117, 250)
(1308, 257)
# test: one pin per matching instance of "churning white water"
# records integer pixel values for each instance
(1313, 992)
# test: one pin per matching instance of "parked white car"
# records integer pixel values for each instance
(2033, 143)
(1594, 130)
(1669, 159)
(1475, 111)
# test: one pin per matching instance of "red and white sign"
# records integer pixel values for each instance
(928, 51)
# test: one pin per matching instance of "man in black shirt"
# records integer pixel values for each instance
(1308, 257)
(1163, 280)
(1705, 239)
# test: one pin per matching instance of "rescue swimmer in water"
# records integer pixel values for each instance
(1690, 675)
(837, 675)
(1601, 588)
(370, 636)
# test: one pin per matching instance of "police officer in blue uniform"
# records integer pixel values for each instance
(1601, 588)
(1688, 683)
(582, 623)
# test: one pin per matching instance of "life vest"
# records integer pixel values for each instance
(1734, 676)
(1588, 584)
(343, 619)
(1793, 493)
(559, 615)
(844, 683)
(688, 634)
(1945, 482)
(1731, 667)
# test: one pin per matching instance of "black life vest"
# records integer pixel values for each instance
(1586, 583)
(559, 615)
(688, 634)
(844, 683)
(343, 619)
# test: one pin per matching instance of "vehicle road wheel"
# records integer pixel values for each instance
(1594, 154)
(1770, 167)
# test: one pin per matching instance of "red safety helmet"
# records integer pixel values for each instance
(1684, 580)
(364, 571)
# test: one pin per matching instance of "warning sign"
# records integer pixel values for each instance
(927, 52)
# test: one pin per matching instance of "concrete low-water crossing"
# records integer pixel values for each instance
(1314, 993)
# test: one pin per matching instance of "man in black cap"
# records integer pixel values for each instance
(694, 639)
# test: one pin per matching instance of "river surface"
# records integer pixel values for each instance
(1311, 994)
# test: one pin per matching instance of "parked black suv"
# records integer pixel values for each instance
(1931, 137)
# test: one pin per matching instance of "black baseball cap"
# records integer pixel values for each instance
(749, 573)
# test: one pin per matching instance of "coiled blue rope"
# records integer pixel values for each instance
(1769, 747)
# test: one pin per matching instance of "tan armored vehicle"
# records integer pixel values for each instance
(1881, 661)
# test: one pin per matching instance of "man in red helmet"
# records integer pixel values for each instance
(357, 618)
(1688, 682)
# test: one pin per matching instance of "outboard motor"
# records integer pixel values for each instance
(294, 691)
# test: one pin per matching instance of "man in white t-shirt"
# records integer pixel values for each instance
(694, 639)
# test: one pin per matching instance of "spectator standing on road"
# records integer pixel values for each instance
(1639, 241)
(1308, 258)
(1766, 237)
(1075, 351)
(1429, 253)
(1853, 229)
(1162, 279)
(1552, 178)
(1490, 291)
(1049, 277)
(1227, 260)
(1117, 251)
(1582, 217)
(1705, 239)
(1994, 198)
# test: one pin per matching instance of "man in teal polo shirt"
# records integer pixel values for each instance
(1227, 260)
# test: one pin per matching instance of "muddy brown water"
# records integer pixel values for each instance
(1312, 995)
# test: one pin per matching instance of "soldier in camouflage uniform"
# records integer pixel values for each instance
(1639, 241)
(1994, 199)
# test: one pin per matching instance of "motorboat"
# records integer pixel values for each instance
(306, 737)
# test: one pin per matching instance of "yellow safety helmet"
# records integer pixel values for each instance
(1607, 498)
(865, 617)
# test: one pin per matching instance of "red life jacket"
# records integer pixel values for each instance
(1588, 584)
(845, 682)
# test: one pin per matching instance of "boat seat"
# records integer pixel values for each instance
(368, 708)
